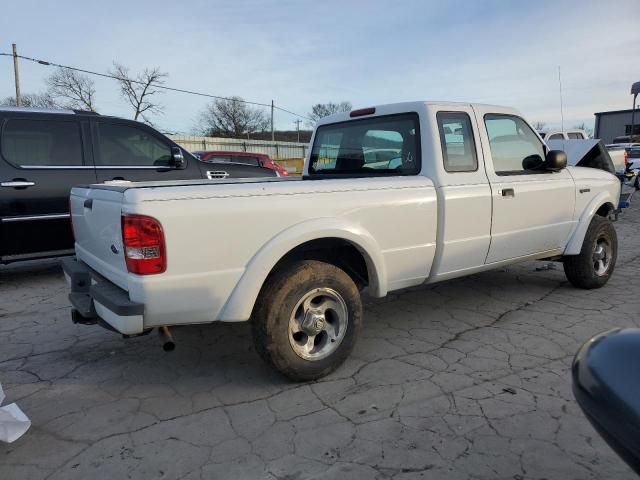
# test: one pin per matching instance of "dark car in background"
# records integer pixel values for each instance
(43, 153)
(242, 158)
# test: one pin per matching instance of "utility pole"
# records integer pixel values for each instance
(635, 90)
(561, 108)
(17, 75)
(273, 137)
(297, 122)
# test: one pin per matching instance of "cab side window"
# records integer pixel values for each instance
(515, 148)
(42, 143)
(556, 136)
(456, 140)
(126, 145)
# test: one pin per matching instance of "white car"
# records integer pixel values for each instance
(466, 188)
(574, 134)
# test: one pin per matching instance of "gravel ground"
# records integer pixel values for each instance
(467, 379)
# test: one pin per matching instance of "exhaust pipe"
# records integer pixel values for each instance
(168, 345)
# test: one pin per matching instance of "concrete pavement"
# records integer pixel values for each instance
(467, 379)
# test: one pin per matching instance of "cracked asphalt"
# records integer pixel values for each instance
(464, 380)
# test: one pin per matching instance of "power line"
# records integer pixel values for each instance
(164, 87)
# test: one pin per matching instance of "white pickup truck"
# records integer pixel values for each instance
(392, 196)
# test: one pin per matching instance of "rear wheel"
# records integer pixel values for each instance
(307, 319)
(597, 259)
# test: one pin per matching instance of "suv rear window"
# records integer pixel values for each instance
(39, 143)
(386, 145)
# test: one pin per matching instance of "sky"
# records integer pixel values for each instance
(299, 53)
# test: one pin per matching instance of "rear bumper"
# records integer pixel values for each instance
(95, 299)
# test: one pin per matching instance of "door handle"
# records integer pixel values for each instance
(213, 174)
(17, 183)
(508, 192)
(88, 203)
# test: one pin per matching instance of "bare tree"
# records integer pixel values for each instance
(232, 118)
(583, 126)
(36, 100)
(139, 90)
(72, 89)
(539, 125)
(320, 110)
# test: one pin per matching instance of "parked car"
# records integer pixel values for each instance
(626, 139)
(564, 135)
(625, 156)
(46, 152)
(242, 158)
(295, 255)
(586, 153)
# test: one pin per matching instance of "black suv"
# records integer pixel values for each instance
(46, 152)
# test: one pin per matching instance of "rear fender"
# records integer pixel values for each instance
(244, 295)
(575, 243)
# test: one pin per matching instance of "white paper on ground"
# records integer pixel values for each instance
(13, 422)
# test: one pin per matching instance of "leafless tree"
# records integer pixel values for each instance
(36, 100)
(232, 118)
(583, 126)
(72, 89)
(320, 110)
(139, 90)
(539, 125)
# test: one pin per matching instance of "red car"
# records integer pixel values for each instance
(246, 158)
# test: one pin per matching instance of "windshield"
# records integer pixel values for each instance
(372, 146)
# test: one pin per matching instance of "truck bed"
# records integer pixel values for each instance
(216, 230)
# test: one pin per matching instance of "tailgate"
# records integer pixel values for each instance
(96, 217)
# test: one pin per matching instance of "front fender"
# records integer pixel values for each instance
(242, 300)
(575, 242)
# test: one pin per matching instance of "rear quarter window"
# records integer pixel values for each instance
(456, 140)
(386, 145)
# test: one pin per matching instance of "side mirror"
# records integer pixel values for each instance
(177, 159)
(555, 161)
(606, 386)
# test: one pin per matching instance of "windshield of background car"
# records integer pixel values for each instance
(386, 145)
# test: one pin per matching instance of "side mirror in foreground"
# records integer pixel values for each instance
(606, 384)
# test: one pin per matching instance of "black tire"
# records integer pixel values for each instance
(582, 270)
(272, 315)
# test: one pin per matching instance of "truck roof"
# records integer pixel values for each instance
(390, 108)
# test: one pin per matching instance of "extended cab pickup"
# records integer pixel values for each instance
(392, 196)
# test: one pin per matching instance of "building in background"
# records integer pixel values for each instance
(614, 124)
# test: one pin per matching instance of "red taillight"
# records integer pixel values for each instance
(143, 241)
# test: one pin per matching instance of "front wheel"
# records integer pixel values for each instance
(307, 319)
(597, 259)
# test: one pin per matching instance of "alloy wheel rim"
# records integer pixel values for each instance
(601, 256)
(318, 324)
